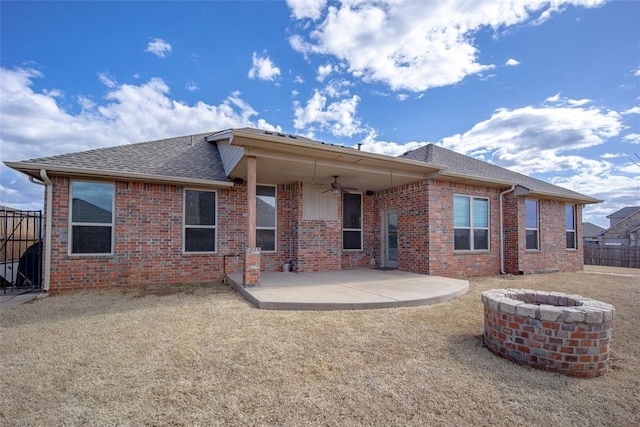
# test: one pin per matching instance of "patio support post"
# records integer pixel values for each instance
(251, 275)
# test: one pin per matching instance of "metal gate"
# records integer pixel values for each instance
(20, 249)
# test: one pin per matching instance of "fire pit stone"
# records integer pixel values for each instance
(554, 331)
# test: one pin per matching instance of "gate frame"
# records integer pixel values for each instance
(16, 238)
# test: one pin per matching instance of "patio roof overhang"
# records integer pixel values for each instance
(283, 159)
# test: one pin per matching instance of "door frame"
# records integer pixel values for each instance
(384, 239)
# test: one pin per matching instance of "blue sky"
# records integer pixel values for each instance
(552, 91)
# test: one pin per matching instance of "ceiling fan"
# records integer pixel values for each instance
(337, 187)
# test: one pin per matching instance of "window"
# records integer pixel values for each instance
(352, 221)
(570, 219)
(531, 223)
(199, 221)
(266, 218)
(91, 218)
(470, 223)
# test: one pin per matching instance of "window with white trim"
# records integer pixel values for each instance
(92, 205)
(532, 224)
(266, 218)
(470, 223)
(570, 220)
(200, 215)
(352, 221)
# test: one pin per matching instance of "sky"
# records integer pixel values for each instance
(548, 89)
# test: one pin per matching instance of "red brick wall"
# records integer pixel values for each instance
(553, 254)
(512, 224)
(148, 240)
(412, 204)
(318, 243)
(444, 261)
(148, 236)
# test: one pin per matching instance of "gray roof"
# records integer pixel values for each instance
(190, 157)
(460, 164)
(591, 230)
(624, 212)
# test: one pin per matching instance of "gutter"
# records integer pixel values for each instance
(35, 168)
(46, 182)
(500, 198)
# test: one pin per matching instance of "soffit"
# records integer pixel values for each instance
(292, 161)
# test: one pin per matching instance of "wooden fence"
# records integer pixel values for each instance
(612, 256)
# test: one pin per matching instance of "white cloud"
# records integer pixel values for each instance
(554, 98)
(159, 47)
(302, 9)
(613, 155)
(298, 79)
(411, 45)
(34, 124)
(633, 138)
(107, 80)
(552, 143)
(324, 71)
(632, 110)
(402, 96)
(263, 68)
(337, 88)
(371, 144)
(191, 86)
(86, 103)
(578, 102)
(512, 62)
(530, 139)
(319, 115)
(637, 73)
(549, 143)
(568, 102)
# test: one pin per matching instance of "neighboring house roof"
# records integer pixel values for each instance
(623, 227)
(460, 165)
(181, 159)
(89, 212)
(197, 159)
(624, 212)
(591, 230)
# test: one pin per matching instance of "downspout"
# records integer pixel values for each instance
(47, 243)
(500, 197)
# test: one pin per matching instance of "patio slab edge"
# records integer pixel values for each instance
(432, 293)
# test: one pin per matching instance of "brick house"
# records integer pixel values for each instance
(624, 228)
(198, 207)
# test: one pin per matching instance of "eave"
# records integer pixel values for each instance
(33, 169)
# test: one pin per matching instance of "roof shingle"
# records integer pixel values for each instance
(189, 156)
(464, 165)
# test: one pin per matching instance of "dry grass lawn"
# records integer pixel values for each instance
(203, 356)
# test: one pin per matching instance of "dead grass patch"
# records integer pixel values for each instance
(204, 356)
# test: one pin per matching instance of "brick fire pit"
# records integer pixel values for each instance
(568, 334)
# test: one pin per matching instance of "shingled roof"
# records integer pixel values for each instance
(188, 157)
(192, 158)
(624, 212)
(457, 164)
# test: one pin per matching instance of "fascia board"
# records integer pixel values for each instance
(286, 145)
(33, 169)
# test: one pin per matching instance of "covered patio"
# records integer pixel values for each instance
(355, 289)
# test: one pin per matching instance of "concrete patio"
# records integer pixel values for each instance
(348, 290)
